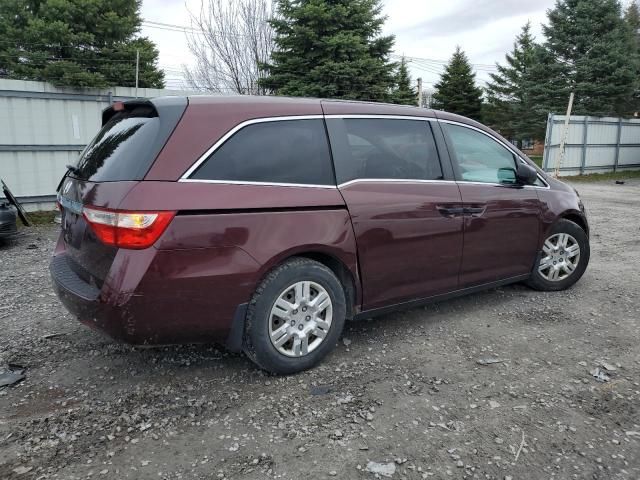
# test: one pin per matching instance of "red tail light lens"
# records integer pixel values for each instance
(126, 229)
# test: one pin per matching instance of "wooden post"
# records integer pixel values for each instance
(565, 132)
(583, 160)
(137, 69)
(617, 159)
(547, 142)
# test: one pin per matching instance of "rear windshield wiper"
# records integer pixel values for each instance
(72, 169)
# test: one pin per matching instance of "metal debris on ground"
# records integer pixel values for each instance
(382, 469)
(600, 375)
(11, 375)
(489, 361)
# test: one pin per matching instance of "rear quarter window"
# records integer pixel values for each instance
(283, 151)
(124, 148)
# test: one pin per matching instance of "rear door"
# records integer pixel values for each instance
(406, 213)
(132, 135)
(502, 218)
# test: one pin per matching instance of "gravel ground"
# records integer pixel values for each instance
(408, 391)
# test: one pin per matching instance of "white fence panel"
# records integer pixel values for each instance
(593, 144)
(44, 128)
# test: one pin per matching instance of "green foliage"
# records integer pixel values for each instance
(632, 17)
(548, 89)
(403, 93)
(79, 43)
(595, 54)
(513, 94)
(456, 92)
(330, 48)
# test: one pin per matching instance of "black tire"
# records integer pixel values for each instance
(257, 344)
(538, 282)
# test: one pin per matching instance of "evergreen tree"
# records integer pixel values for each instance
(632, 17)
(330, 48)
(510, 107)
(79, 43)
(547, 88)
(456, 92)
(404, 93)
(596, 55)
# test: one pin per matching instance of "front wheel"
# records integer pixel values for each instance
(563, 258)
(295, 317)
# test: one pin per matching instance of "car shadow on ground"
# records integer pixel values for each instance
(211, 360)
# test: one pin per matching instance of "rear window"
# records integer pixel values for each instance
(124, 148)
(283, 151)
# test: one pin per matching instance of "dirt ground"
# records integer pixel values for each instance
(407, 390)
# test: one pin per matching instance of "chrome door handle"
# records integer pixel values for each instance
(450, 211)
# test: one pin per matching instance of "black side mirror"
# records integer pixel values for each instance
(526, 174)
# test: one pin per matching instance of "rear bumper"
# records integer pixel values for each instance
(147, 300)
(86, 302)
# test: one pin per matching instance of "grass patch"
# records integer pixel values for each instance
(602, 177)
(41, 218)
(537, 159)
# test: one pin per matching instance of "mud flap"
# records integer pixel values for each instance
(236, 333)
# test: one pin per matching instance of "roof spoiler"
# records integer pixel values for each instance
(116, 107)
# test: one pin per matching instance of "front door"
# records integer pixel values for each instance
(502, 218)
(406, 215)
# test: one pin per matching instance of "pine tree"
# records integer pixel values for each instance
(79, 43)
(632, 17)
(403, 93)
(330, 48)
(456, 92)
(596, 55)
(547, 87)
(510, 108)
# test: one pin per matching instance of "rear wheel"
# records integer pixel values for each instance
(563, 258)
(295, 317)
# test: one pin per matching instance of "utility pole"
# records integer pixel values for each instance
(420, 92)
(137, 69)
(565, 132)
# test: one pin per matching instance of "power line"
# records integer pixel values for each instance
(441, 64)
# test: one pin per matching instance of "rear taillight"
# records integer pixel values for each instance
(126, 229)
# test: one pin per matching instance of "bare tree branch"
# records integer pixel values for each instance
(229, 39)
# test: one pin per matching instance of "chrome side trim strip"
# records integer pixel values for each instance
(381, 116)
(230, 133)
(399, 180)
(506, 185)
(265, 184)
(390, 180)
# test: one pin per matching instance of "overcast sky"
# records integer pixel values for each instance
(485, 29)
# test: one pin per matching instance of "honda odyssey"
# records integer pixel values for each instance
(264, 223)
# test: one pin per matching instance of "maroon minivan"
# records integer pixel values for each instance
(263, 223)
